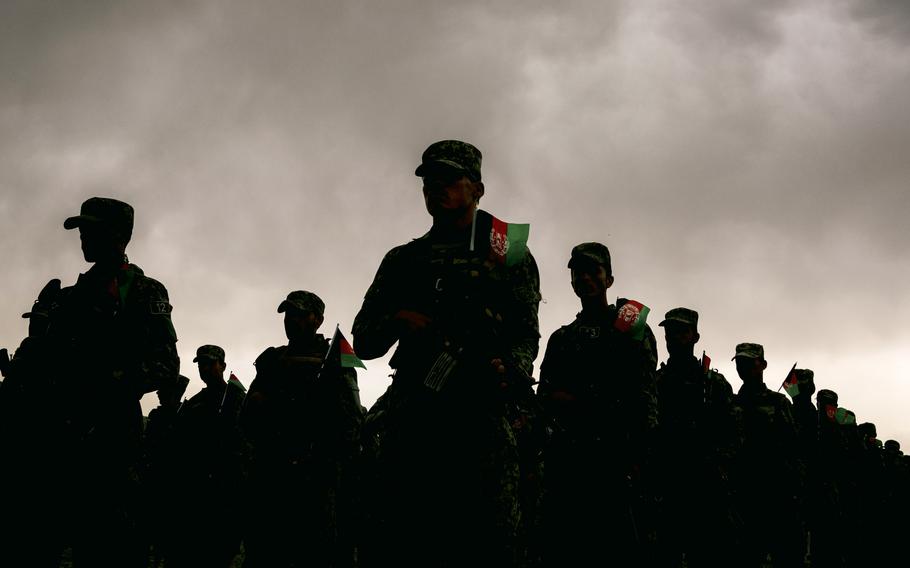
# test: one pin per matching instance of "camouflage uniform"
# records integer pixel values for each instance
(207, 468)
(602, 437)
(161, 492)
(304, 435)
(449, 460)
(769, 473)
(31, 444)
(700, 435)
(109, 341)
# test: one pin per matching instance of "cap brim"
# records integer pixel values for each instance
(426, 167)
(285, 306)
(583, 258)
(746, 355)
(205, 358)
(78, 221)
(675, 320)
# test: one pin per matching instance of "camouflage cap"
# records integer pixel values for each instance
(591, 252)
(681, 315)
(868, 429)
(104, 211)
(750, 350)
(212, 352)
(892, 445)
(303, 301)
(804, 376)
(453, 154)
(826, 394)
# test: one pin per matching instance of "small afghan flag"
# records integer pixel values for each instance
(509, 241)
(791, 385)
(342, 352)
(235, 382)
(831, 412)
(705, 362)
(632, 318)
(844, 417)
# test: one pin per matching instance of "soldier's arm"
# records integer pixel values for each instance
(158, 362)
(647, 383)
(375, 330)
(523, 341)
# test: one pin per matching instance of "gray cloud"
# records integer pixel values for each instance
(746, 159)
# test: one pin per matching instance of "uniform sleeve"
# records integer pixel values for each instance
(647, 384)
(549, 377)
(524, 333)
(373, 331)
(158, 362)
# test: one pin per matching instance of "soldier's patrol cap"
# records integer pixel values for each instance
(106, 212)
(591, 252)
(827, 394)
(868, 428)
(303, 301)
(452, 155)
(892, 445)
(804, 376)
(212, 352)
(750, 350)
(681, 315)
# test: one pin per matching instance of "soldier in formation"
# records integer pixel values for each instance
(467, 332)
(700, 436)
(596, 367)
(769, 473)
(303, 426)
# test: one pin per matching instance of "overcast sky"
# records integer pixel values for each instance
(749, 160)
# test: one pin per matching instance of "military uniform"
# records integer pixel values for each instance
(769, 474)
(111, 340)
(700, 435)
(602, 436)
(304, 435)
(449, 464)
(207, 471)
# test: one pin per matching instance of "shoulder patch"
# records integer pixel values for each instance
(160, 308)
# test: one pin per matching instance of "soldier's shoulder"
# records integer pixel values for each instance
(146, 285)
(777, 399)
(269, 356)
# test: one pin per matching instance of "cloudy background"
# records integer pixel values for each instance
(747, 159)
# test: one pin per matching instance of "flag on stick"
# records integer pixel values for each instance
(632, 318)
(509, 241)
(705, 362)
(342, 352)
(791, 385)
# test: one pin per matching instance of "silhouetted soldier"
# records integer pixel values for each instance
(826, 463)
(897, 499)
(207, 462)
(30, 443)
(769, 471)
(872, 522)
(805, 414)
(161, 486)
(467, 332)
(304, 432)
(110, 340)
(598, 384)
(700, 433)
